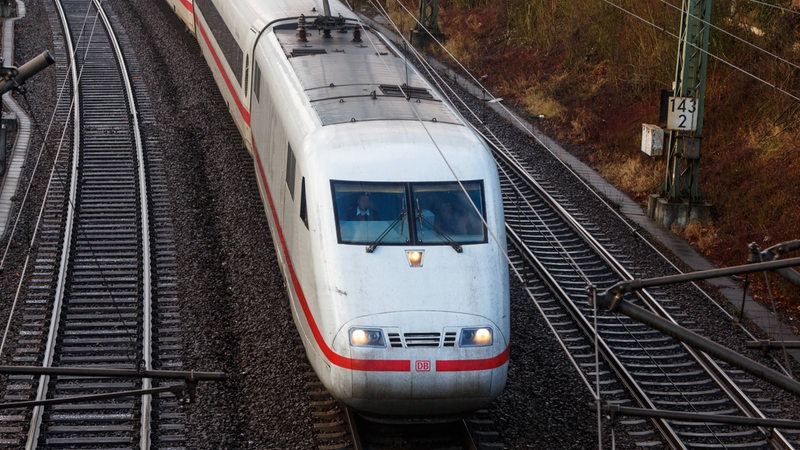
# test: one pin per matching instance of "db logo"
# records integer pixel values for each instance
(423, 366)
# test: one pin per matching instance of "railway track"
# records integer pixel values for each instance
(103, 263)
(339, 428)
(637, 366)
(103, 280)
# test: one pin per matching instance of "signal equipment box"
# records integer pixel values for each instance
(652, 139)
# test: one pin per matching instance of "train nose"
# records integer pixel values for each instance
(423, 391)
(427, 370)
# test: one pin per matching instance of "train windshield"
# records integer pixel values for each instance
(443, 213)
(368, 212)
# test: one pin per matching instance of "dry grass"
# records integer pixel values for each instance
(537, 102)
(400, 18)
(704, 237)
(468, 3)
(635, 174)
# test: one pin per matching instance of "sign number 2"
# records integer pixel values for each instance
(682, 114)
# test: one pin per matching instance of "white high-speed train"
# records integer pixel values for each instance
(384, 205)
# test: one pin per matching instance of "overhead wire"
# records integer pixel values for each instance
(32, 241)
(53, 171)
(785, 352)
(438, 80)
(740, 39)
(56, 170)
(555, 242)
(492, 233)
(540, 139)
(39, 155)
(436, 77)
(443, 86)
(786, 366)
(781, 8)
(710, 54)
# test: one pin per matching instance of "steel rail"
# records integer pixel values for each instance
(352, 429)
(364, 434)
(44, 380)
(633, 229)
(467, 440)
(145, 230)
(474, 86)
(715, 372)
(640, 396)
(552, 326)
(712, 368)
(142, 230)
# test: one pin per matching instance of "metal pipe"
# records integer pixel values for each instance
(616, 291)
(706, 418)
(772, 345)
(783, 247)
(775, 252)
(118, 373)
(88, 398)
(27, 70)
(790, 274)
(712, 348)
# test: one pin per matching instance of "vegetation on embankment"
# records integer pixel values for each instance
(595, 72)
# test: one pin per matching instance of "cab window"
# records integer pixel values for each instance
(435, 213)
(366, 212)
(445, 212)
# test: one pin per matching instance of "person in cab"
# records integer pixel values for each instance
(363, 209)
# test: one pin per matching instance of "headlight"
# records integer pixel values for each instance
(475, 337)
(367, 337)
(414, 257)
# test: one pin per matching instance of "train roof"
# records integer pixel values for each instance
(262, 12)
(350, 81)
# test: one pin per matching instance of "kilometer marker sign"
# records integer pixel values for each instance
(682, 114)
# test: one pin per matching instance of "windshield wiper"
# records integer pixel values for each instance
(371, 247)
(439, 231)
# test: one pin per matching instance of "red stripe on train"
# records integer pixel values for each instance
(188, 5)
(462, 365)
(375, 365)
(335, 358)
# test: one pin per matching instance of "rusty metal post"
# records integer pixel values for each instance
(427, 27)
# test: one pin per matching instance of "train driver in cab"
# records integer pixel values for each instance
(363, 209)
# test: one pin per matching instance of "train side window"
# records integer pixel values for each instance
(257, 81)
(303, 207)
(246, 71)
(291, 163)
(231, 51)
